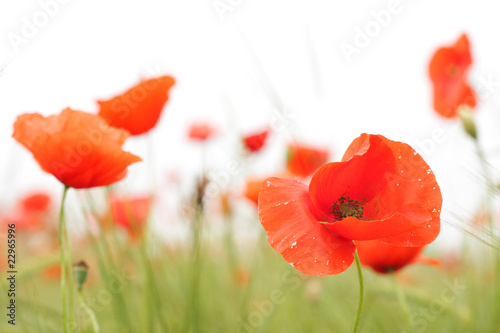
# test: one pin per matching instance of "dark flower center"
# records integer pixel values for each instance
(345, 207)
(453, 70)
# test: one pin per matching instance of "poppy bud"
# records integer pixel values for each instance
(467, 119)
(80, 272)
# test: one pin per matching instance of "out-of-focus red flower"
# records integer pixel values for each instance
(131, 213)
(382, 190)
(31, 212)
(302, 161)
(242, 277)
(252, 189)
(448, 72)
(201, 131)
(81, 150)
(36, 202)
(138, 109)
(52, 272)
(254, 142)
(225, 204)
(385, 258)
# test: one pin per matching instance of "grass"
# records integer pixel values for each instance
(250, 288)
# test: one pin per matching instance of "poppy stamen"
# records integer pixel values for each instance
(345, 206)
(452, 70)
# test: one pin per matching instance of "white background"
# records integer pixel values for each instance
(242, 69)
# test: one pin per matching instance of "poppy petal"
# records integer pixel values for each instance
(448, 72)
(79, 149)
(95, 165)
(139, 108)
(361, 177)
(408, 219)
(413, 183)
(302, 161)
(385, 258)
(293, 230)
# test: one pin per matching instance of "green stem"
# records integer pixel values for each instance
(67, 241)
(153, 289)
(489, 184)
(63, 262)
(361, 291)
(402, 302)
(194, 305)
(230, 246)
(107, 265)
(86, 308)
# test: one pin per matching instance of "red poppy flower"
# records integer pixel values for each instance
(385, 258)
(131, 213)
(254, 142)
(36, 202)
(302, 161)
(201, 131)
(382, 190)
(253, 187)
(31, 212)
(448, 72)
(81, 150)
(139, 108)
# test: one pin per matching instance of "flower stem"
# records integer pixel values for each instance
(70, 276)
(192, 318)
(86, 308)
(63, 262)
(361, 291)
(402, 302)
(489, 182)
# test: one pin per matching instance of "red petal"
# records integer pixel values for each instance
(412, 183)
(302, 161)
(385, 258)
(79, 149)
(457, 55)
(397, 189)
(361, 176)
(293, 231)
(450, 95)
(256, 141)
(406, 220)
(448, 72)
(139, 108)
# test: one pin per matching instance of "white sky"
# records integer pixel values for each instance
(89, 50)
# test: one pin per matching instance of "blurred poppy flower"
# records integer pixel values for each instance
(138, 109)
(252, 189)
(382, 190)
(448, 72)
(385, 258)
(254, 142)
(36, 202)
(31, 212)
(201, 131)
(78, 148)
(225, 204)
(131, 213)
(242, 277)
(302, 161)
(52, 272)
